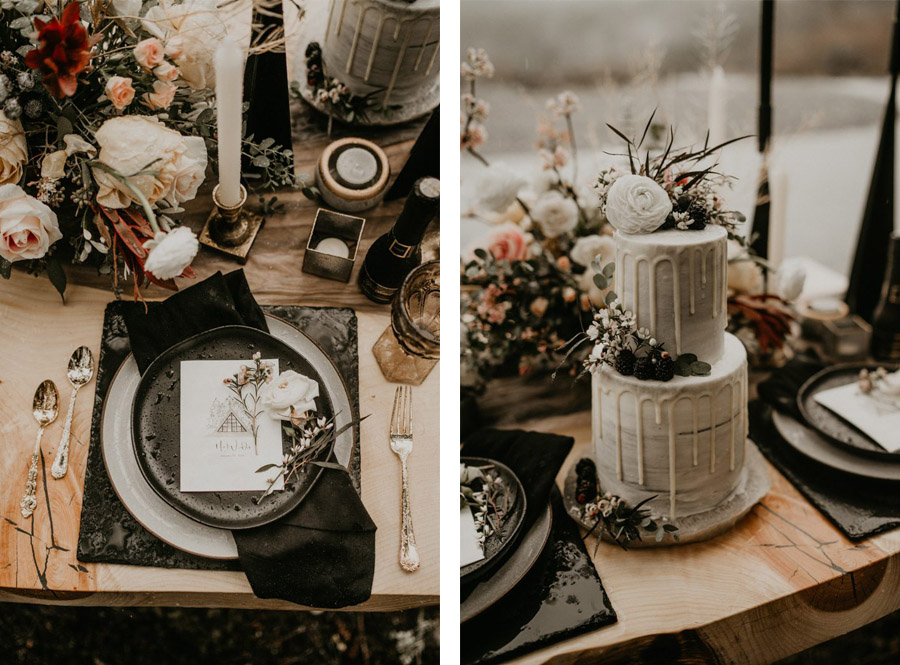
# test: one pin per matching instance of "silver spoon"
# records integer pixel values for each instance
(80, 372)
(45, 410)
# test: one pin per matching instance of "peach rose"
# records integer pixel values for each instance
(27, 226)
(508, 243)
(149, 53)
(166, 72)
(162, 95)
(119, 91)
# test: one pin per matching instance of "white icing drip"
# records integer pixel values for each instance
(340, 22)
(381, 20)
(356, 35)
(731, 427)
(640, 439)
(390, 89)
(672, 459)
(422, 47)
(619, 436)
(715, 286)
(330, 16)
(712, 434)
(691, 279)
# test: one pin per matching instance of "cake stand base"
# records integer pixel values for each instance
(753, 485)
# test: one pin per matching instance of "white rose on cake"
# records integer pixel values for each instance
(191, 32)
(555, 214)
(27, 226)
(289, 396)
(13, 150)
(589, 247)
(637, 204)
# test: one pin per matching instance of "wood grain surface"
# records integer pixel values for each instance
(782, 581)
(38, 333)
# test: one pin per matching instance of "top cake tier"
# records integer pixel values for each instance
(387, 48)
(675, 283)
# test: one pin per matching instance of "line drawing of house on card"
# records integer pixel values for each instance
(228, 417)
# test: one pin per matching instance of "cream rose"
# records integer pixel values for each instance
(289, 395)
(133, 143)
(119, 91)
(162, 96)
(171, 253)
(166, 72)
(13, 150)
(637, 204)
(27, 226)
(589, 247)
(190, 170)
(555, 214)
(149, 53)
(498, 189)
(192, 31)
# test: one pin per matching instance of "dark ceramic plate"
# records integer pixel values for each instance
(155, 425)
(499, 542)
(511, 572)
(829, 424)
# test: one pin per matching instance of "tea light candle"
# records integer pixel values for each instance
(333, 246)
(229, 61)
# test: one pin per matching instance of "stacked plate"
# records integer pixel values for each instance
(510, 553)
(140, 438)
(830, 440)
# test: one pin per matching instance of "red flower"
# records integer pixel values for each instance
(64, 50)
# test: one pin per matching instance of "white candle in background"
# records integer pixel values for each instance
(333, 246)
(778, 195)
(715, 113)
(229, 98)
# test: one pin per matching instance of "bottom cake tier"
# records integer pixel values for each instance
(682, 442)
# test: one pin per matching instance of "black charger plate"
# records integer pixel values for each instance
(155, 425)
(498, 543)
(829, 424)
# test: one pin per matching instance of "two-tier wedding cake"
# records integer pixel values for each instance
(669, 385)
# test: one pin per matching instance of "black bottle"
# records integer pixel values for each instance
(394, 255)
(886, 319)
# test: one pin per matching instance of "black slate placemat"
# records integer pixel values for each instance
(858, 507)
(108, 532)
(560, 597)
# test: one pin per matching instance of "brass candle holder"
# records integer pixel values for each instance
(231, 229)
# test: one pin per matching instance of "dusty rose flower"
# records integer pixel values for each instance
(166, 72)
(149, 53)
(119, 91)
(508, 243)
(27, 226)
(568, 294)
(162, 95)
(538, 306)
(473, 138)
(563, 263)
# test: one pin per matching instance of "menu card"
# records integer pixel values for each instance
(225, 440)
(470, 549)
(879, 419)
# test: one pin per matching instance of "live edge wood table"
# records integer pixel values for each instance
(37, 335)
(782, 581)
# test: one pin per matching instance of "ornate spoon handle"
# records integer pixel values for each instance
(409, 555)
(61, 463)
(29, 501)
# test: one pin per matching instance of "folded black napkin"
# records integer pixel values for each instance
(858, 507)
(562, 595)
(322, 554)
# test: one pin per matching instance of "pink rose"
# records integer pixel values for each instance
(162, 95)
(149, 53)
(166, 72)
(27, 226)
(508, 243)
(119, 91)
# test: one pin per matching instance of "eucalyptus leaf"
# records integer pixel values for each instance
(57, 276)
(611, 296)
(601, 281)
(481, 254)
(659, 535)
(609, 269)
(700, 368)
(688, 358)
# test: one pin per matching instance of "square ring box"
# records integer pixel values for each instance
(333, 228)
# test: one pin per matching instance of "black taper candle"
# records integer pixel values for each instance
(760, 228)
(870, 260)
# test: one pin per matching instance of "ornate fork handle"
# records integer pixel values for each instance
(409, 555)
(61, 463)
(29, 501)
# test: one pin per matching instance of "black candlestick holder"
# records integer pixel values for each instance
(231, 229)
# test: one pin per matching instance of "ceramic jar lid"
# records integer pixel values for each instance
(352, 174)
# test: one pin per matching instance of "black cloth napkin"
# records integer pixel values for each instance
(858, 507)
(322, 554)
(562, 595)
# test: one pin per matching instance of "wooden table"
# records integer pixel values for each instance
(782, 581)
(37, 335)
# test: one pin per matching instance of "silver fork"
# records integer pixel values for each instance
(402, 445)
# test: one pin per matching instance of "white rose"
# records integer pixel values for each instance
(196, 29)
(27, 226)
(555, 214)
(13, 150)
(53, 166)
(171, 253)
(190, 170)
(637, 204)
(289, 394)
(744, 275)
(498, 189)
(129, 144)
(790, 282)
(588, 247)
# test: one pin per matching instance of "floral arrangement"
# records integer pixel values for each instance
(107, 126)
(881, 385)
(611, 514)
(481, 488)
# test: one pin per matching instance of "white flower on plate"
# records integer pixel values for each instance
(587, 248)
(790, 282)
(171, 253)
(289, 396)
(27, 226)
(555, 214)
(13, 150)
(191, 31)
(637, 204)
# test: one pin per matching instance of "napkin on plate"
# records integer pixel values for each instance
(321, 554)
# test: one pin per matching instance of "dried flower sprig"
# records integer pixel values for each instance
(253, 377)
(482, 489)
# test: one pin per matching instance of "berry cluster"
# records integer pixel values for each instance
(18, 90)
(586, 481)
(655, 364)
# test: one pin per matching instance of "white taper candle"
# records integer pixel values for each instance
(229, 97)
